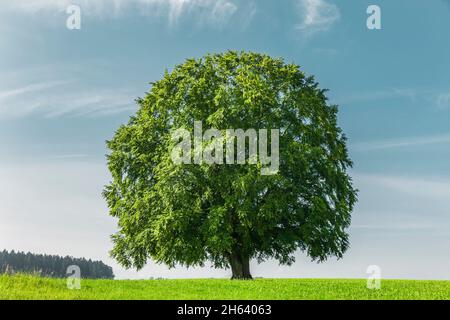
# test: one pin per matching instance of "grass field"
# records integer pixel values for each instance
(29, 287)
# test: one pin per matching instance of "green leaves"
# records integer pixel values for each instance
(188, 214)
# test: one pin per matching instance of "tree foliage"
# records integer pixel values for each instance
(228, 214)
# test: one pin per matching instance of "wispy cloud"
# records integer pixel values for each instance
(412, 204)
(378, 95)
(439, 99)
(396, 227)
(442, 100)
(317, 15)
(401, 142)
(429, 187)
(28, 89)
(211, 11)
(47, 100)
(222, 11)
(68, 156)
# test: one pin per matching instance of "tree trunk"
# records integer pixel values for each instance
(240, 266)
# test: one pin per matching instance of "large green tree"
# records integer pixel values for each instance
(188, 214)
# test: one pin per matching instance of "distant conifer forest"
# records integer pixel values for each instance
(51, 265)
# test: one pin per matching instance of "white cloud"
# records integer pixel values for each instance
(437, 98)
(28, 89)
(53, 99)
(418, 187)
(442, 100)
(35, 5)
(410, 94)
(401, 142)
(317, 15)
(222, 11)
(212, 11)
(68, 156)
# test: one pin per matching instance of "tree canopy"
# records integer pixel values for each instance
(189, 214)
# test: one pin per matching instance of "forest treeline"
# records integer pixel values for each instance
(51, 265)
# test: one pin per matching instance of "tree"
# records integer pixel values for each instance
(189, 214)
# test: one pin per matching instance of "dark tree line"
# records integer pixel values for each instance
(51, 266)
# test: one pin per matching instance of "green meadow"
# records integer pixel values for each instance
(30, 287)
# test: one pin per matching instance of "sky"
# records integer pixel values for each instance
(64, 92)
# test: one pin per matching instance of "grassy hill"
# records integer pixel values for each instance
(29, 287)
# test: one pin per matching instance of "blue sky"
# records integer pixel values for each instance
(64, 92)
